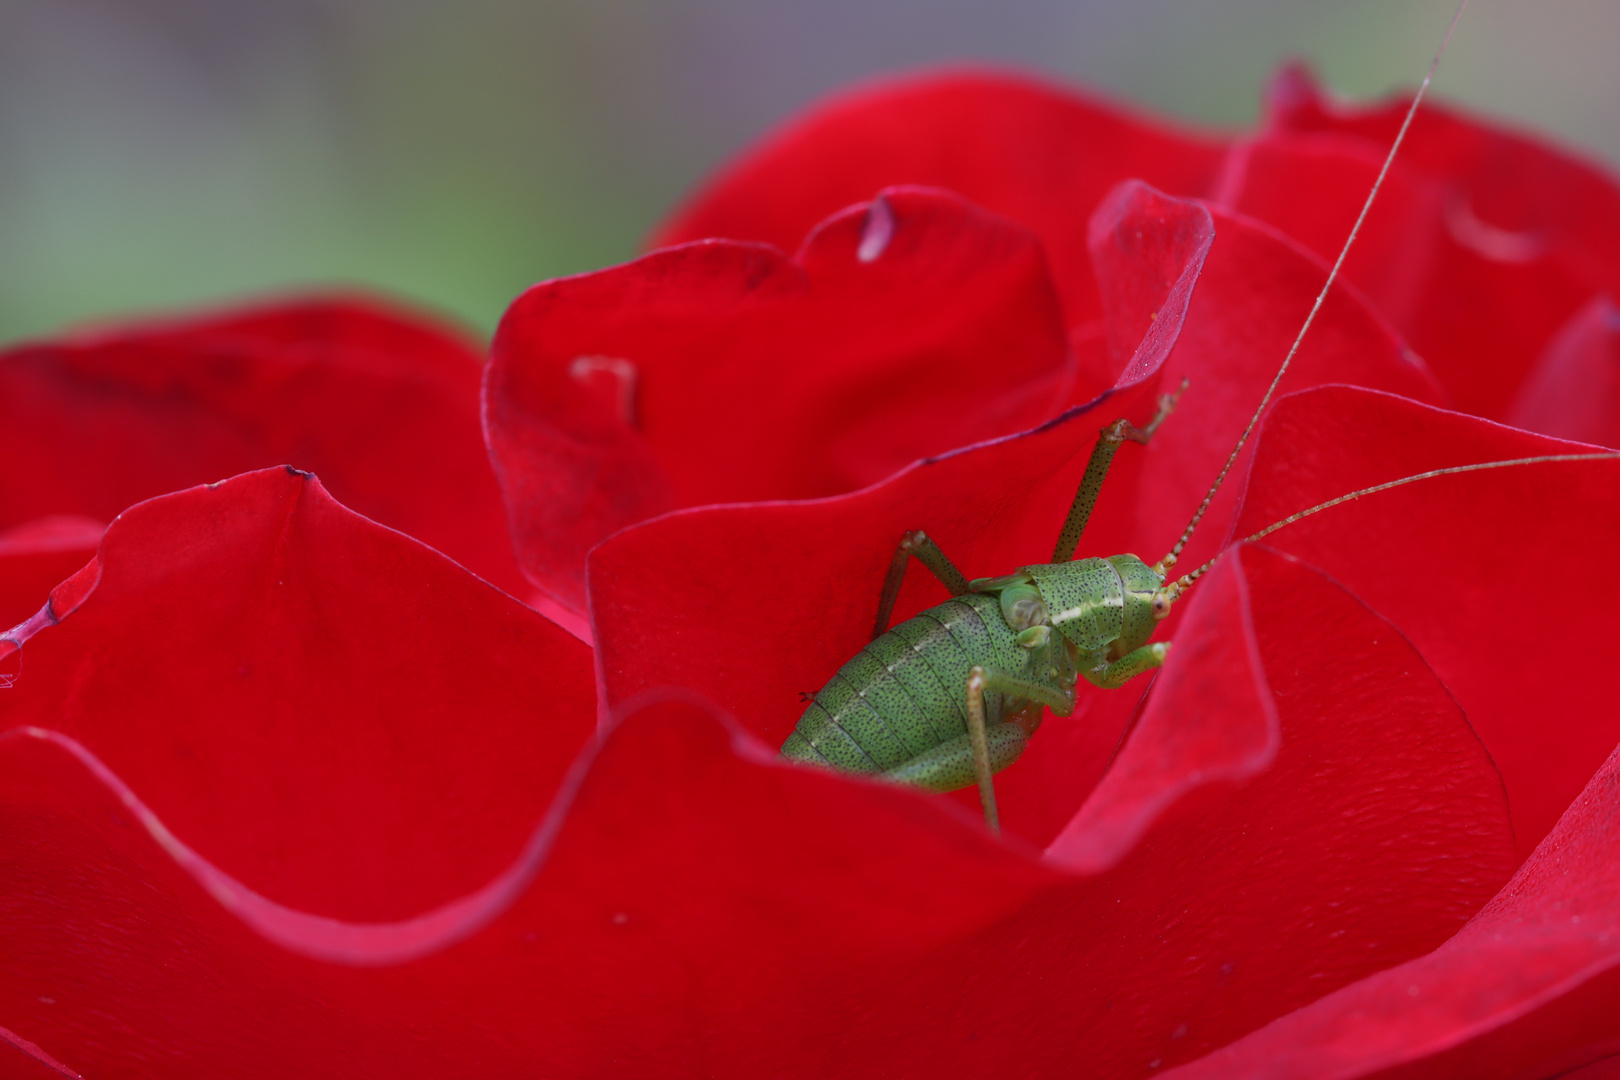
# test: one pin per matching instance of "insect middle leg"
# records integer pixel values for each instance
(1110, 440)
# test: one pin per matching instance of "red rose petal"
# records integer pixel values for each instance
(383, 405)
(1211, 717)
(690, 900)
(1573, 392)
(29, 1061)
(377, 332)
(1527, 235)
(908, 327)
(1149, 250)
(35, 555)
(1040, 154)
(308, 697)
(1495, 576)
(1525, 989)
(1313, 186)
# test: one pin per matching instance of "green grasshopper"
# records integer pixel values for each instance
(1013, 644)
(950, 697)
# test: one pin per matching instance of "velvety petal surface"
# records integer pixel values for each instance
(295, 691)
(723, 371)
(688, 905)
(1493, 575)
(1313, 185)
(1520, 235)
(1525, 989)
(1573, 392)
(383, 404)
(1038, 153)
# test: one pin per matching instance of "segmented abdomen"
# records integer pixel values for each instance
(906, 691)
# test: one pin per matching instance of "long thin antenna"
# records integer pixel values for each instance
(1431, 474)
(1333, 275)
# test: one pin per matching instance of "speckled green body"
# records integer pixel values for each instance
(899, 708)
(1103, 606)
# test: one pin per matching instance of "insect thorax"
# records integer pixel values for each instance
(1099, 604)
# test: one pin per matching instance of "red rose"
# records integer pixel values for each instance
(290, 793)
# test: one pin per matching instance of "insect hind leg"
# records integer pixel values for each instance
(1109, 441)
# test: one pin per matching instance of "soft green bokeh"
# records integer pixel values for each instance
(160, 154)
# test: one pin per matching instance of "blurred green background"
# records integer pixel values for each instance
(159, 154)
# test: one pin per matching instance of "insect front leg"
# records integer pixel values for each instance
(1111, 675)
(1110, 440)
(915, 545)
